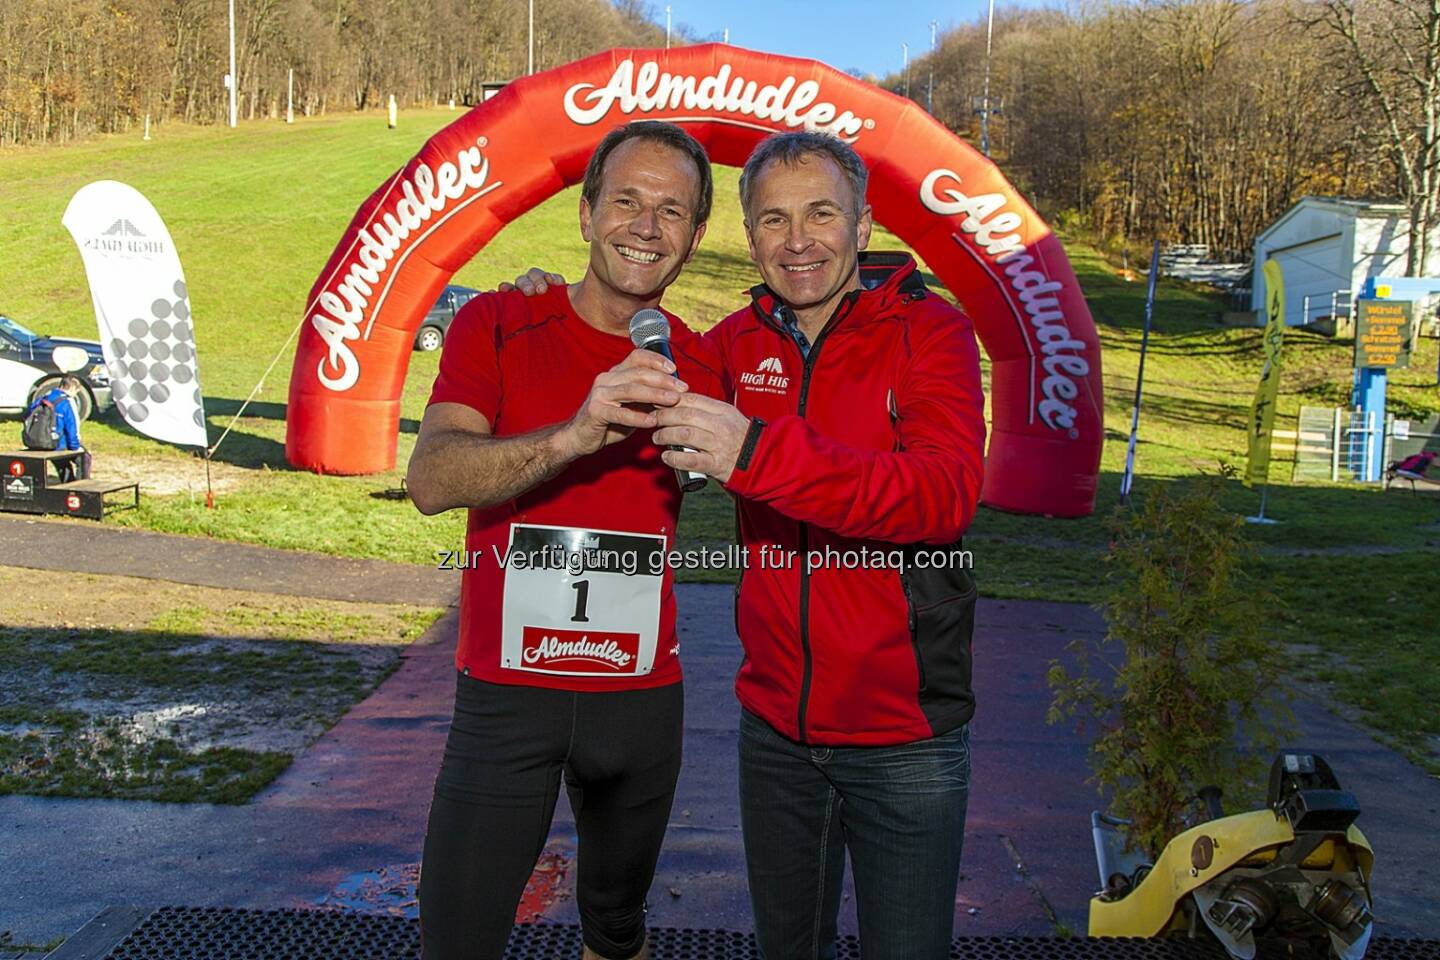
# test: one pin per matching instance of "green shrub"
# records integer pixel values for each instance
(1184, 690)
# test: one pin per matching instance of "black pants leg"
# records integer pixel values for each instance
(495, 796)
(621, 780)
(74, 468)
(490, 816)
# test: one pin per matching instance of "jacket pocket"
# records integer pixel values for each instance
(941, 601)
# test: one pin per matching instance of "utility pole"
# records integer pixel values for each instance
(930, 90)
(985, 97)
(230, 77)
(530, 64)
(667, 26)
(905, 52)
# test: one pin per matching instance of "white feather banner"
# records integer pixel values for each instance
(143, 309)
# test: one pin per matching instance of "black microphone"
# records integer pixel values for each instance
(649, 330)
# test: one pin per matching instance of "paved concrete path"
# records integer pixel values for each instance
(355, 803)
(83, 546)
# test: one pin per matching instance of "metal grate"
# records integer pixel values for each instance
(194, 933)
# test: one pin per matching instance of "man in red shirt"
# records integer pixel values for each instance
(568, 664)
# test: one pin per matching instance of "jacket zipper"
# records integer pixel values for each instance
(913, 622)
(808, 366)
(912, 615)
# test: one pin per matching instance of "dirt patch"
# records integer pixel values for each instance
(159, 476)
(37, 598)
(116, 686)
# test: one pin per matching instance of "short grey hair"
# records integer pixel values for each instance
(789, 148)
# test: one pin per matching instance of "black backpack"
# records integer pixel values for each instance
(39, 432)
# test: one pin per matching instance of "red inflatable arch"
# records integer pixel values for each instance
(507, 155)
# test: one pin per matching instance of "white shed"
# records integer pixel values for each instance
(1328, 247)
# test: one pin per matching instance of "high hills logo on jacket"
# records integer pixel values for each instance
(769, 377)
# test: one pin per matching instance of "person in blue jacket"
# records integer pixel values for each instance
(67, 428)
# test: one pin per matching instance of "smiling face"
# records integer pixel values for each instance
(641, 227)
(805, 233)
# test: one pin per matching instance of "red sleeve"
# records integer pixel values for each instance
(698, 363)
(717, 340)
(470, 364)
(925, 493)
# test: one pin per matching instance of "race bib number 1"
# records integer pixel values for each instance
(581, 602)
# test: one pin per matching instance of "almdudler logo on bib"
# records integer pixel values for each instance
(579, 651)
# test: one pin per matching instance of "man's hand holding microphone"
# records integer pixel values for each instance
(702, 436)
(622, 400)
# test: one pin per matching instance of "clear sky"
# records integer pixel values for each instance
(844, 33)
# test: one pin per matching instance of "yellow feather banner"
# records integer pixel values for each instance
(1262, 411)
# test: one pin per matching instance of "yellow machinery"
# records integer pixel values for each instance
(1297, 872)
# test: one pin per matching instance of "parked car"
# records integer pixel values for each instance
(31, 364)
(431, 334)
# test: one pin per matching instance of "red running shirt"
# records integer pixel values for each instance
(565, 586)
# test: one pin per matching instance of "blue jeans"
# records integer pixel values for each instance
(900, 811)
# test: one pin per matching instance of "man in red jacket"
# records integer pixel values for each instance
(855, 446)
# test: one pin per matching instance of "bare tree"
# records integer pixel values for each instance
(1392, 55)
(1195, 121)
(69, 68)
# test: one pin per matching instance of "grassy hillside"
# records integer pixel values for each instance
(256, 211)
